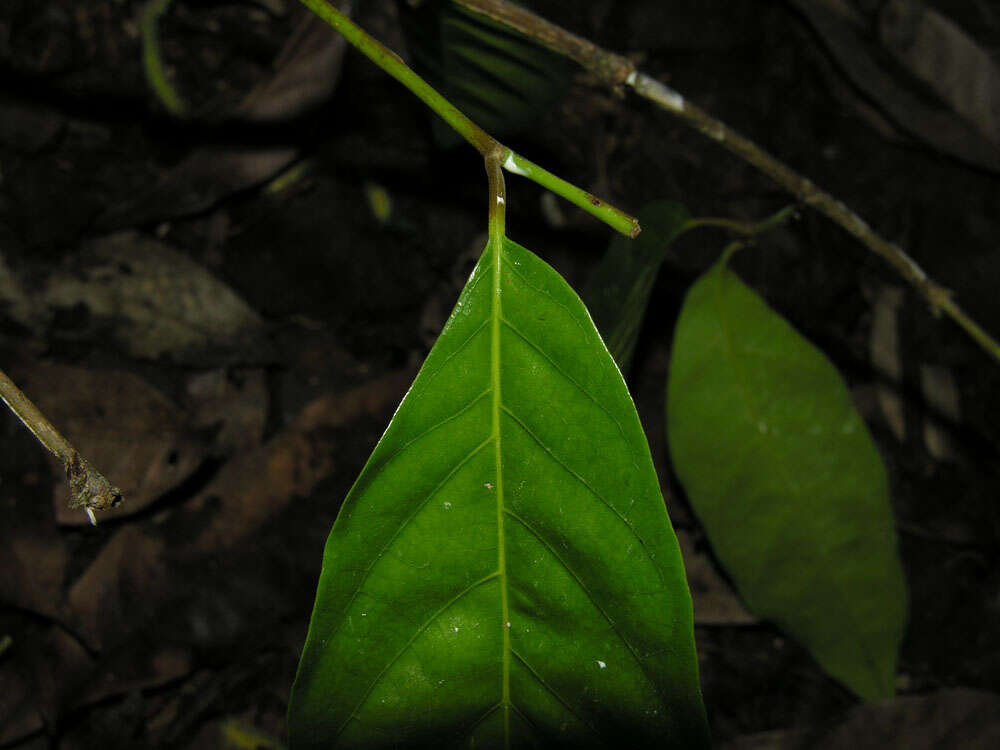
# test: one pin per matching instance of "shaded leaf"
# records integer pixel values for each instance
(845, 33)
(784, 475)
(503, 571)
(500, 79)
(15, 303)
(618, 291)
(942, 55)
(306, 72)
(155, 302)
(200, 181)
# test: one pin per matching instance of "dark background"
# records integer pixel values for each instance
(232, 347)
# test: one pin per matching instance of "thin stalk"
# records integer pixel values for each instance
(152, 57)
(613, 217)
(88, 487)
(498, 200)
(486, 144)
(614, 70)
(743, 227)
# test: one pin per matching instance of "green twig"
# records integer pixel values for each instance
(615, 71)
(88, 487)
(498, 200)
(486, 144)
(152, 57)
(615, 218)
(748, 228)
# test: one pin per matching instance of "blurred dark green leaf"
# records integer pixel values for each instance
(618, 291)
(500, 79)
(503, 572)
(787, 481)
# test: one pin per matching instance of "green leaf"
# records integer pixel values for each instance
(617, 293)
(502, 80)
(783, 473)
(503, 573)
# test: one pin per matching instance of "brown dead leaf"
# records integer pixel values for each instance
(233, 403)
(33, 562)
(140, 591)
(42, 673)
(201, 180)
(121, 424)
(154, 302)
(119, 587)
(253, 487)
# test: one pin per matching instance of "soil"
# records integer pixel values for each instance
(303, 264)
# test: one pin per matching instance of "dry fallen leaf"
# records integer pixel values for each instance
(121, 424)
(154, 301)
(306, 73)
(232, 404)
(135, 604)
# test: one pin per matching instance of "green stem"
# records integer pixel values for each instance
(617, 71)
(498, 200)
(748, 228)
(613, 217)
(731, 249)
(487, 145)
(152, 58)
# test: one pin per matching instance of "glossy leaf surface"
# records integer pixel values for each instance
(618, 291)
(787, 481)
(503, 573)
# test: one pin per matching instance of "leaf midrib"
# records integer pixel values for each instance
(496, 315)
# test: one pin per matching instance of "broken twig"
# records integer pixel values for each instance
(89, 489)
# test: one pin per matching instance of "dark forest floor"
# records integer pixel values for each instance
(229, 347)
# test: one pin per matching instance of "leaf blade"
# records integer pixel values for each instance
(474, 582)
(786, 479)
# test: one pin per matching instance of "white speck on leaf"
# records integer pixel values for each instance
(601, 664)
(488, 486)
(446, 505)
